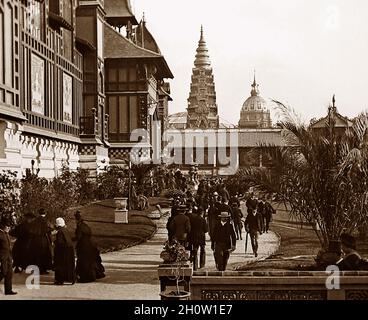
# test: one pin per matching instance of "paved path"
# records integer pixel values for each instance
(132, 273)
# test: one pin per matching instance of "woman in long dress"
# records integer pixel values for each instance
(89, 263)
(64, 258)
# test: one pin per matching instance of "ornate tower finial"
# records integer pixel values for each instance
(144, 17)
(254, 91)
(202, 57)
(333, 101)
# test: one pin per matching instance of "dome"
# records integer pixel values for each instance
(255, 112)
(254, 104)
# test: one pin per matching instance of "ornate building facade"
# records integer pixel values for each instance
(72, 87)
(202, 107)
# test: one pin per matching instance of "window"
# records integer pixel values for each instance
(124, 116)
(8, 45)
(124, 79)
(35, 18)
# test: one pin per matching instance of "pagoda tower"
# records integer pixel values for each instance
(202, 107)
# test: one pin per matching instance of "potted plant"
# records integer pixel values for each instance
(175, 255)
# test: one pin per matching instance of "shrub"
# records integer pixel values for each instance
(9, 195)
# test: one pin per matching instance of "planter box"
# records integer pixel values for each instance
(121, 203)
(121, 216)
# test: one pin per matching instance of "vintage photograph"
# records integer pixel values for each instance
(168, 150)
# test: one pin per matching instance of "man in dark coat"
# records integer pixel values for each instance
(64, 259)
(261, 209)
(198, 238)
(238, 223)
(6, 262)
(21, 250)
(40, 243)
(213, 213)
(89, 264)
(253, 226)
(224, 241)
(251, 203)
(180, 226)
(268, 212)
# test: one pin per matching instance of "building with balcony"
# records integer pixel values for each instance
(73, 87)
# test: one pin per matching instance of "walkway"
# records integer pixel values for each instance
(132, 273)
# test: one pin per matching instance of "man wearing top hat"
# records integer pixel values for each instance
(223, 240)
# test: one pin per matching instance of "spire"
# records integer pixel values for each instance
(202, 57)
(254, 91)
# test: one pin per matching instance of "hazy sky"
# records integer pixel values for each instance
(303, 51)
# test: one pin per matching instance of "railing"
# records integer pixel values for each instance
(89, 124)
(106, 127)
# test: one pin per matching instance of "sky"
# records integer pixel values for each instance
(303, 51)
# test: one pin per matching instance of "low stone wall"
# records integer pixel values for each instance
(277, 285)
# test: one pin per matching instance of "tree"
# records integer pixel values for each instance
(322, 174)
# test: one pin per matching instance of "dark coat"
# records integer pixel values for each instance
(180, 227)
(269, 211)
(350, 262)
(253, 222)
(212, 217)
(224, 234)
(64, 258)
(198, 230)
(21, 249)
(40, 243)
(89, 263)
(238, 215)
(5, 254)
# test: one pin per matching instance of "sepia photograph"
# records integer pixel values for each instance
(172, 151)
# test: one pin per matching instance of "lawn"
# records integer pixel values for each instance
(298, 248)
(110, 236)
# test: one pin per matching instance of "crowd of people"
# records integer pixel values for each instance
(49, 247)
(213, 210)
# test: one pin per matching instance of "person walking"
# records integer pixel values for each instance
(238, 223)
(253, 226)
(224, 241)
(21, 250)
(40, 243)
(6, 262)
(269, 211)
(64, 258)
(198, 238)
(89, 264)
(180, 226)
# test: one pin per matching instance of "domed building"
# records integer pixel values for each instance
(255, 112)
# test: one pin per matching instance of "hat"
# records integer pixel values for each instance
(182, 208)
(60, 222)
(77, 215)
(6, 222)
(224, 215)
(348, 240)
(215, 193)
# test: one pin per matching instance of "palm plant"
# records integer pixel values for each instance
(321, 174)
